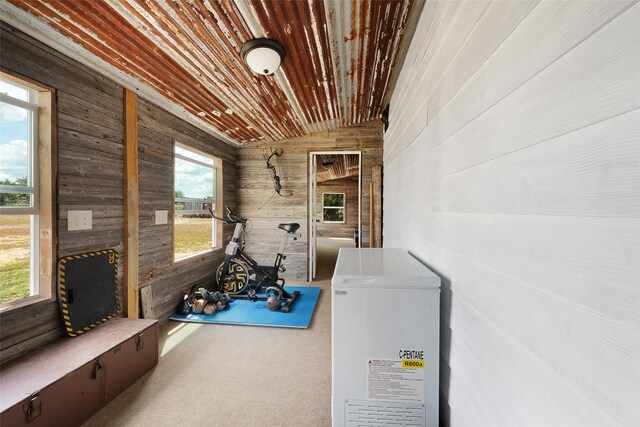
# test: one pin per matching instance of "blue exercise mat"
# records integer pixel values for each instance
(242, 312)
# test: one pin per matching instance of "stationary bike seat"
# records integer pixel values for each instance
(289, 228)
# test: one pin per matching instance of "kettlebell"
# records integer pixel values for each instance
(184, 307)
(273, 300)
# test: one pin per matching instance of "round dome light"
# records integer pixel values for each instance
(263, 56)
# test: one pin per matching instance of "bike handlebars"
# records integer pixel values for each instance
(232, 218)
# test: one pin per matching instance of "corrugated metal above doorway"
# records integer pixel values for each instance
(340, 65)
(337, 166)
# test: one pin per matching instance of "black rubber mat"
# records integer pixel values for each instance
(88, 290)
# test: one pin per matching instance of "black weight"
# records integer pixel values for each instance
(274, 298)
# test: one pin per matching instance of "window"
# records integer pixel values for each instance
(26, 195)
(197, 184)
(332, 207)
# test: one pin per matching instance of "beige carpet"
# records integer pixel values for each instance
(224, 375)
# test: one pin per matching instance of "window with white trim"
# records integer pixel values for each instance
(333, 207)
(26, 247)
(197, 176)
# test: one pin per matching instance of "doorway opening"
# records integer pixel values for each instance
(335, 208)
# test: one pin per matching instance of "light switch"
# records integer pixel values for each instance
(79, 220)
(162, 217)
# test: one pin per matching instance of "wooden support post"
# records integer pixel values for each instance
(219, 200)
(47, 155)
(376, 196)
(131, 299)
(371, 214)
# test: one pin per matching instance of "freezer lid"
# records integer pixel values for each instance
(381, 268)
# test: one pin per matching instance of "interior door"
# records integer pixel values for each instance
(312, 216)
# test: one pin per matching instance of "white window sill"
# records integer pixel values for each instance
(192, 256)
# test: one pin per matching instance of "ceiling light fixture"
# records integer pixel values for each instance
(263, 56)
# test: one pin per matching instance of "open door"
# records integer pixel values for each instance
(315, 214)
(313, 229)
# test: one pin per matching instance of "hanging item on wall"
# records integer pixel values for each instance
(277, 185)
(88, 290)
(385, 117)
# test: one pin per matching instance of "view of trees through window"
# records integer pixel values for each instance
(18, 139)
(14, 199)
(333, 207)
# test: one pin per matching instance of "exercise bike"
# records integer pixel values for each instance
(241, 277)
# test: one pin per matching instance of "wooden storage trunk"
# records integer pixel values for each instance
(67, 381)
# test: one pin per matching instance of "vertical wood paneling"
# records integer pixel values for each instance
(89, 169)
(514, 175)
(158, 130)
(258, 202)
(90, 175)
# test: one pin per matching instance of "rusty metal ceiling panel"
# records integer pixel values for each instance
(206, 37)
(188, 51)
(365, 37)
(336, 166)
(339, 56)
(301, 29)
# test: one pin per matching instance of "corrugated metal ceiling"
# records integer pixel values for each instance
(338, 69)
(336, 166)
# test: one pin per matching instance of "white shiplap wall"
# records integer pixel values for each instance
(512, 168)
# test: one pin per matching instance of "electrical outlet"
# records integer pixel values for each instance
(162, 217)
(79, 220)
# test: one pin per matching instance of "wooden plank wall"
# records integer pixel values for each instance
(512, 170)
(90, 176)
(90, 170)
(158, 130)
(349, 186)
(257, 201)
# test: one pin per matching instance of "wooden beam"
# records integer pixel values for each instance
(131, 299)
(376, 196)
(47, 147)
(219, 202)
(371, 211)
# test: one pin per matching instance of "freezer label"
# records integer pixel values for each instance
(391, 380)
(411, 354)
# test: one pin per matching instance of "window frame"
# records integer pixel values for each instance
(33, 185)
(41, 185)
(216, 231)
(343, 207)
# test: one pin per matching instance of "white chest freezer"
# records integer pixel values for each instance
(385, 339)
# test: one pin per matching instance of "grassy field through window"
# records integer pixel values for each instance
(191, 235)
(14, 257)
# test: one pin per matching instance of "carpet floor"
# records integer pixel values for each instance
(225, 375)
